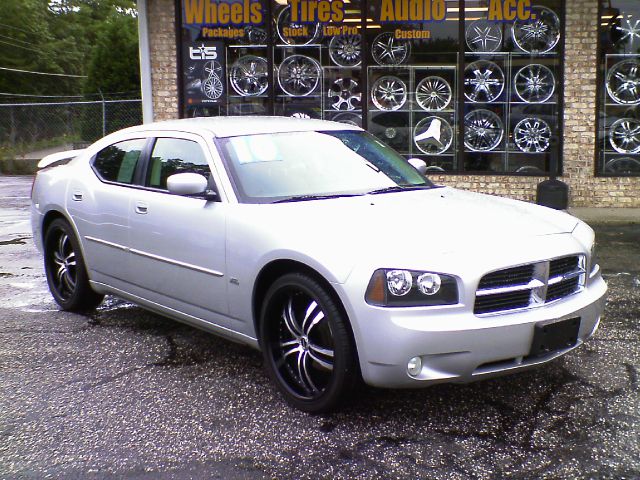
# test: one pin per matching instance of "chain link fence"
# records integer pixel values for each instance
(28, 127)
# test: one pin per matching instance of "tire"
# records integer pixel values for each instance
(306, 344)
(65, 269)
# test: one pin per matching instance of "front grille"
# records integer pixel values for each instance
(530, 285)
(509, 276)
(505, 301)
(561, 266)
(562, 289)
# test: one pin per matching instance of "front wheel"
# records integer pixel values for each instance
(66, 272)
(307, 344)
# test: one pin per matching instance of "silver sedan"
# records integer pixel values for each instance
(319, 245)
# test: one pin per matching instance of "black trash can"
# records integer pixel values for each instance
(553, 194)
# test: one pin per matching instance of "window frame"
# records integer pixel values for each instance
(144, 152)
(601, 96)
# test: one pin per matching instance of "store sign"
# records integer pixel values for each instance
(509, 10)
(413, 11)
(204, 73)
(317, 11)
(228, 14)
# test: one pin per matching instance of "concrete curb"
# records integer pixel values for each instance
(606, 216)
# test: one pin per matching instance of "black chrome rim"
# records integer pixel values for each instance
(301, 343)
(62, 265)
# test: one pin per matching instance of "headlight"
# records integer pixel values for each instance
(410, 288)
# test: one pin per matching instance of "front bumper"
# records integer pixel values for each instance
(458, 346)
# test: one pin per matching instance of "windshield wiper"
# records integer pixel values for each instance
(303, 198)
(398, 188)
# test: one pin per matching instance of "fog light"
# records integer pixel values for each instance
(429, 283)
(414, 367)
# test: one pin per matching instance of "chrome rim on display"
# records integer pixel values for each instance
(249, 76)
(345, 50)
(532, 135)
(483, 81)
(484, 36)
(388, 50)
(624, 135)
(314, 30)
(254, 35)
(433, 135)
(211, 84)
(534, 83)
(298, 75)
(538, 35)
(433, 93)
(483, 130)
(344, 94)
(348, 119)
(622, 165)
(389, 93)
(623, 82)
(629, 33)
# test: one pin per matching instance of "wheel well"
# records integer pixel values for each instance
(49, 217)
(276, 269)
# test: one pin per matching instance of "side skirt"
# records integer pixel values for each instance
(179, 316)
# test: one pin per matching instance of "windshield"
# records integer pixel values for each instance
(303, 165)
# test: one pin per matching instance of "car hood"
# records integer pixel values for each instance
(397, 227)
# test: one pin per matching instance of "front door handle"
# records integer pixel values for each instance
(142, 208)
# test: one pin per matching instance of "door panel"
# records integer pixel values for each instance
(178, 242)
(98, 202)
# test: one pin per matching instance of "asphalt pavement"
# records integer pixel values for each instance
(124, 393)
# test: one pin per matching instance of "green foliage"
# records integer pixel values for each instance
(64, 36)
(114, 64)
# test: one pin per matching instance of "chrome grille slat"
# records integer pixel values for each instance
(515, 288)
(530, 285)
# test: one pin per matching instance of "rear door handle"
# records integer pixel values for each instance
(141, 208)
(77, 196)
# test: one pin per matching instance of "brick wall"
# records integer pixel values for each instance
(581, 36)
(162, 41)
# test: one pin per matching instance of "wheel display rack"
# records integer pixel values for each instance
(493, 105)
(413, 109)
(620, 148)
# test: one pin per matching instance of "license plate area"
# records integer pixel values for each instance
(551, 336)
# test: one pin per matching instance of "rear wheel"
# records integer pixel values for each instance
(306, 344)
(66, 272)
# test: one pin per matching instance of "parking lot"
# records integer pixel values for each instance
(124, 393)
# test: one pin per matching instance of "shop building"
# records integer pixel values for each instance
(494, 95)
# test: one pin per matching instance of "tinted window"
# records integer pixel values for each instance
(173, 155)
(117, 162)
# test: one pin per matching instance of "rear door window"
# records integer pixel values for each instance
(117, 163)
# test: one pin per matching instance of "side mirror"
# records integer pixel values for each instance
(419, 165)
(190, 184)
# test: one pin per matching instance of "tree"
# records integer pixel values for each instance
(114, 69)
(114, 65)
(27, 44)
(60, 36)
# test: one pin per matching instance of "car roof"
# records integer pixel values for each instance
(244, 125)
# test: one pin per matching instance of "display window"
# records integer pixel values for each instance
(512, 82)
(465, 85)
(619, 89)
